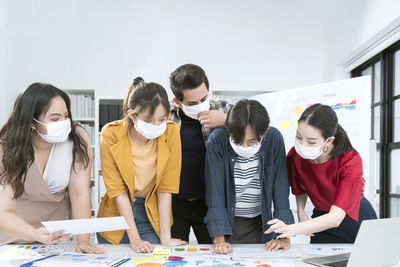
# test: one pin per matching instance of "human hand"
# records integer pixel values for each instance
(86, 247)
(43, 236)
(142, 246)
(212, 118)
(275, 244)
(221, 248)
(282, 228)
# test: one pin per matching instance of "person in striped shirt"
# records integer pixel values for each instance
(245, 173)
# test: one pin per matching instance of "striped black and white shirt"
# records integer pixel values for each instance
(247, 186)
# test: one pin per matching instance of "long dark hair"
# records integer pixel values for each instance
(18, 153)
(325, 119)
(142, 95)
(243, 113)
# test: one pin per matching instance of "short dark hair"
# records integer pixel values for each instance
(142, 95)
(244, 113)
(324, 118)
(187, 77)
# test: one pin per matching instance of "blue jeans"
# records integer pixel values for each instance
(143, 225)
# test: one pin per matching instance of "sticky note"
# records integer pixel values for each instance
(284, 125)
(191, 250)
(161, 253)
(16, 250)
(298, 109)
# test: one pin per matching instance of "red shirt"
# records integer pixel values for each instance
(336, 182)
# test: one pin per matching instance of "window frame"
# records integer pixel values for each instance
(386, 102)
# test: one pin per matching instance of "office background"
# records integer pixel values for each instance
(246, 47)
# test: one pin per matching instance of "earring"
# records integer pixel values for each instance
(325, 149)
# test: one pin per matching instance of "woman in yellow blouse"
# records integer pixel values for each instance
(141, 162)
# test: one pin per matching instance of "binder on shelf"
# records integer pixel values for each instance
(113, 112)
(103, 115)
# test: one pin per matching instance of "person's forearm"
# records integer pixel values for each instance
(125, 209)
(301, 201)
(164, 211)
(81, 209)
(319, 224)
(12, 224)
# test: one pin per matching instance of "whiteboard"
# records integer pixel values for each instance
(351, 100)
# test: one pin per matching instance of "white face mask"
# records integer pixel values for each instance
(245, 152)
(308, 152)
(193, 111)
(148, 130)
(56, 131)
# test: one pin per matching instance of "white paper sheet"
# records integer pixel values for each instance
(261, 253)
(327, 250)
(85, 226)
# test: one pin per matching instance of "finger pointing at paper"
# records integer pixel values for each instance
(281, 228)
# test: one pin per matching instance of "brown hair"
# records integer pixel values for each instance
(142, 95)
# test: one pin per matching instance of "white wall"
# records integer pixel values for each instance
(243, 45)
(349, 24)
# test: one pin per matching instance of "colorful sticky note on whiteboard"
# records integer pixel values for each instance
(298, 109)
(284, 125)
(161, 253)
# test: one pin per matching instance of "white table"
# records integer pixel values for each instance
(125, 250)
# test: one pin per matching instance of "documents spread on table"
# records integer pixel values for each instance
(186, 256)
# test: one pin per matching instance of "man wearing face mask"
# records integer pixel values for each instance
(197, 115)
(245, 173)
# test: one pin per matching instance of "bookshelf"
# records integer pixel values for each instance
(83, 112)
(107, 109)
(93, 113)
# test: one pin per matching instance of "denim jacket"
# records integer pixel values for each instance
(220, 183)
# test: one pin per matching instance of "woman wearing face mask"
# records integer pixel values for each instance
(245, 174)
(324, 166)
(44, 169)
(141, 161)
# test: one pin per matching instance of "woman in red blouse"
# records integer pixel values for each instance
(324, 166)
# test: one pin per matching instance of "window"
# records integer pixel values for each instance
(384, 70)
